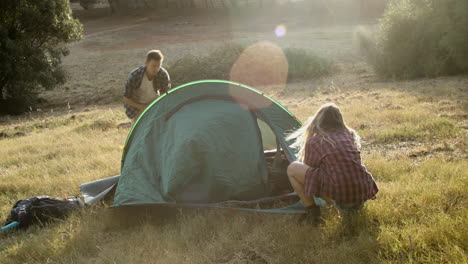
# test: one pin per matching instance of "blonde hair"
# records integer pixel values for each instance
(327, 119)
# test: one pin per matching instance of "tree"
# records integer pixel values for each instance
(33, 35)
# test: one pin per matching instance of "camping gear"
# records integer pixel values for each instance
(11, 225)
(93, 192)
(202, 144)
(40, 209)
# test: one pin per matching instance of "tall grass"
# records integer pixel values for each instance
(418, 216)
(413, 220)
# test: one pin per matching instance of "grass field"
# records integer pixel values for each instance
(415, 144)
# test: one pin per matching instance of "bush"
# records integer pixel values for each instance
(304, 64)
(17, 105)
(421, 38)
(32, 38)
(217, 64)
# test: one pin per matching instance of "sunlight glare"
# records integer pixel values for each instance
(280, 31)
(262, 66)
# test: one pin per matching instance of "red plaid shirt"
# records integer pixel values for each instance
(336, 171)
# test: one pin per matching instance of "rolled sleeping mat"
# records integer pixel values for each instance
(10, 226)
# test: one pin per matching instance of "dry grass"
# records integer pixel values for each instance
(418, 216)
(415, 144)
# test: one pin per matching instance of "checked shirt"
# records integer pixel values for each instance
(336, 170)
(161, 84)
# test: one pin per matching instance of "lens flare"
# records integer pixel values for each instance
(280, 31)
(262, 66)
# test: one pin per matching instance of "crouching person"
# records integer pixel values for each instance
(329, 164)
(145, 84)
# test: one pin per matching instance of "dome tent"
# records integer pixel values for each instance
(204, 143)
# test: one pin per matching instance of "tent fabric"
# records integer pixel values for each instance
(201, 143)
(95, 191)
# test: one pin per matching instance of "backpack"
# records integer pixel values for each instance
(41, 209)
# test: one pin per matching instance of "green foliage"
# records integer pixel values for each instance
(32, 38)
(217, 64)
(306, 65)
(421, 38)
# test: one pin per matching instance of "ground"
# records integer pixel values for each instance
(414, 136)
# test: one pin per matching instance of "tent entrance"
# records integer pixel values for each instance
(277, 161)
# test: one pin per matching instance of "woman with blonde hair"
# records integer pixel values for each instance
(329, 164)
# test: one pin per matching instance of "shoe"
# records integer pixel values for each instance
(311, 216)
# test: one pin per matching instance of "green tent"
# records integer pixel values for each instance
(206, 142)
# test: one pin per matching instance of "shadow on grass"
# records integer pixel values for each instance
(125, 217)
